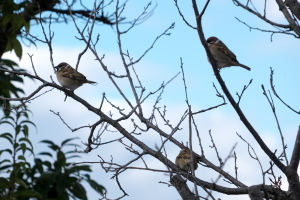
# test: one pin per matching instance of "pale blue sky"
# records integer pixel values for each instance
(252, 48)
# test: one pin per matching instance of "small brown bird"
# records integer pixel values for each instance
(183, 160)
(221, 53)
(69, 77)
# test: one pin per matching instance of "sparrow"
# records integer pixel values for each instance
(221, 53)
(69, 77)
(183, 160)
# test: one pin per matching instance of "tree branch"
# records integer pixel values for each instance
(262, 144)
(296, 153)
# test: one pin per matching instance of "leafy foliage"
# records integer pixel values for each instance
(12, 19)
(7, 82)
(61, 179)
(18, 120)
(43, 180)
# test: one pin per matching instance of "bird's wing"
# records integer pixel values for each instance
(226, 51)
(73, 74)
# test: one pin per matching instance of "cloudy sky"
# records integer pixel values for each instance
(252, 48)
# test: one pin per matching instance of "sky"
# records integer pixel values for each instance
(252, 48)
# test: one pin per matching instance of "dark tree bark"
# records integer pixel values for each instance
(255, 193)
(182, 188)
(294, 7)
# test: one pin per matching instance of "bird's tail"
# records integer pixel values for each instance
(245, 67)
(92, 82)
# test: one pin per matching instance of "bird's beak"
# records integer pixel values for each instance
(56, 68)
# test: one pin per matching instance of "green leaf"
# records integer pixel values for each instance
(80, 168)
(96, 186)
(23, 147)
(9, 62)
(9, 45)
(61, 158)
(16, 145)
(78, 191)
(73, 145)
(17, 21)
(22, 165)
(29, 122)
(61, 182)
(51, 144)
(3, 167)
(74, 156)
(69, 152)
(25, 130)
(45, 154)
(48, 164)
(18, 48)
(39, 166)
(28, 194)
(26, 140)
(68, 140)
(7, 150)
(4, 161)
(27, 25)
(19, 181)
(4, 183)
(31, 151)
(18, 128)
(47, 142)
(7, 122)
(7, 136)
(21, 157)
(6, 19)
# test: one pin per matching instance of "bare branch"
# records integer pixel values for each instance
(254, 157)
(139, 17)
(215, 147)
(296, 153)
(199, 138)
(294, 7)
(288, 17)
(243, 118)
(51, 35)
(235, 166)
(183, 18)
(246, 7)
(30, 56)
(287, 32)
(191, 148)
(73, 130)
(182, 188)
(244, 89)
(271, 102)
(275, 93)
(152, 45)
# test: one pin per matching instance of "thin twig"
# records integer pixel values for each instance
(215, 147)
(275, 93)
(244, 89)
(272, 105)
(254, 157)
(183, 18)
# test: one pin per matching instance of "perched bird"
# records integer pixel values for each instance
(69, 77)
(183, 160)
(221, 53)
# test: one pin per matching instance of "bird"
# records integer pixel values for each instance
(223, 56)
(69, 77)
(183, 160)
